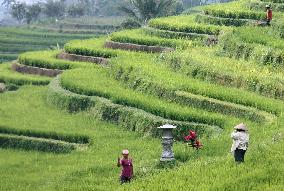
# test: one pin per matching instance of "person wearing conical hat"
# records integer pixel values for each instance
(240, 138)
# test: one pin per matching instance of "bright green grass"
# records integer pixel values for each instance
(203, 63)
(234, 8)
(9, 76)
(138, 36)
(237, 9)
(183, 23)
(148, 67)
(91, 169)
(263, 170)
(264, 36)
(96, 81)
(90, 47)
(94, 168)
(47, 59)
(153, 70)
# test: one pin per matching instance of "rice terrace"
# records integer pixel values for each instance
(83, 83)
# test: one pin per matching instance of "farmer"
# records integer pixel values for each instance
(194, 142)
(240, 138)
(268, 14)
(127, 167)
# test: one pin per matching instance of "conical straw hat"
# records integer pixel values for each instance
(241, 126)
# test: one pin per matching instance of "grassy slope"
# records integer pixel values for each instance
(93, 168)
(212, 168)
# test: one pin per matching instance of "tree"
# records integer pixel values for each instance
(8, 3)
(87, 5)
(76, 10)
(143, 10)
(18, 11)
(55, 9)
(23, 12)
(32, 12)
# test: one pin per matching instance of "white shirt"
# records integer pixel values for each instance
(240, 140)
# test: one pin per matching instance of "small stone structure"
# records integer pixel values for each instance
(81, 58)
(35, 70)
(2, 87)
(167, 142)
(136, 47)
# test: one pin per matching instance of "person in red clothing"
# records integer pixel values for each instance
(192, 137)
(127, 167)
(268, 14)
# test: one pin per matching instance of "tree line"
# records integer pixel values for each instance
(139, 11)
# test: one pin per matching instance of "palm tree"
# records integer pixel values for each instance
(143, 10)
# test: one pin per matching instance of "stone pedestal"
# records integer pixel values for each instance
(167, 142)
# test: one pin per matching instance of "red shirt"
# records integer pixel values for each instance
(269, 14)
(127, 167)
(192, 134)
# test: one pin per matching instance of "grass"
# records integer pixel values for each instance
(156, 74)
(183, 23)
(264, 80)
(159, 74)
(133, 82)
(90, 47)
(9, 76)
(75, 81)
(264, 36)
(259, 172)
(94, 168)
(61, 171)
(138, 36)
(232, 46)
(47, 59)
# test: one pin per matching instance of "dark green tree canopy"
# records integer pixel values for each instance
(143, 10)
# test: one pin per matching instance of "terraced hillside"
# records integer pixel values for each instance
(76, 108)
(16, 40)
